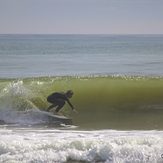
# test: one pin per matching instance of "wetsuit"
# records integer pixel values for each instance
(58, 99)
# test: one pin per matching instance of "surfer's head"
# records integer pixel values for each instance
(69, 93)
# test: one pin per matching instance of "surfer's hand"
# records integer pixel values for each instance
(74, 110)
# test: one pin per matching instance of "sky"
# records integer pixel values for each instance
(81, 16)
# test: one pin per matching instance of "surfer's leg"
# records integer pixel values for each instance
(60, 105)
(54, 103)
(51, 106)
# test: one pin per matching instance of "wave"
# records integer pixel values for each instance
(108, 101)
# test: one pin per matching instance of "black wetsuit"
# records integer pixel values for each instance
(58, 99)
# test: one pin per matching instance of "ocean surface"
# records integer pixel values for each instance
(117, 82)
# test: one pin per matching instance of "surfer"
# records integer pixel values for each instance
(58, 100)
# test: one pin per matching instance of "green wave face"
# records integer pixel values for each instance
(101, 102)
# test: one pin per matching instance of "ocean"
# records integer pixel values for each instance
(117, 82)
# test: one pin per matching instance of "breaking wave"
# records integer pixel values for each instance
(112, 100)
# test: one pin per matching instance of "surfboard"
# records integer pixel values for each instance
(57, 118)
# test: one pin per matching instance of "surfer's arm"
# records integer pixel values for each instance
(70, 104)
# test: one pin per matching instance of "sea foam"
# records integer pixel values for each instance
(37, 145)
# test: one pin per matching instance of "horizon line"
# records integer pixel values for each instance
(81, 33)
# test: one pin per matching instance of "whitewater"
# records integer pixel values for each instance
(118, 90)
(52, 145)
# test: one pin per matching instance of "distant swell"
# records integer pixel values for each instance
(113, 101)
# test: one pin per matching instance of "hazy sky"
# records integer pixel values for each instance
(81, 16)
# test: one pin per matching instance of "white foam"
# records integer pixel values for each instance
(16, 88)
(43, 145)
(15, 96)
(32, 117)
